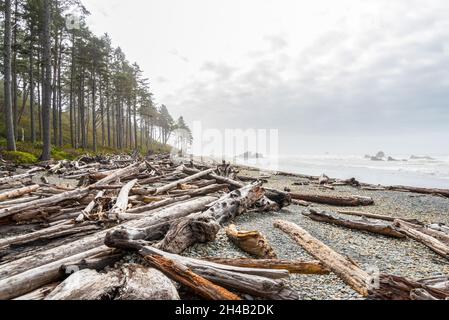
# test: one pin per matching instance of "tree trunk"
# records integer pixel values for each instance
(351, 201)
(343, 267)
(382, 228)
(252, 242)
(9, 121)
(46, 43)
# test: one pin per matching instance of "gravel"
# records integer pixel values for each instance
(405, 257)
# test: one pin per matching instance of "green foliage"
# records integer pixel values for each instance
(19, 157)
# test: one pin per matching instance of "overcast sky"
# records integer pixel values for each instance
(332, 76)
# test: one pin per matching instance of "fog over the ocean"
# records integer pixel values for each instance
(332, 76)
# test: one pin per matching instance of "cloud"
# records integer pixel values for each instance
(386, 80)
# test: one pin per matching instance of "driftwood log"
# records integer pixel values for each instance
(258, 282)
(377, 227)
(345, 201)
(414, 232)
(252, 242)
(345, 268)
(293, 266)
(204, 226)
(130, 282)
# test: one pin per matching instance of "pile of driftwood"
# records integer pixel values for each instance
(63, 240)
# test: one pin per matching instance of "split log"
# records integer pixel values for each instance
(121, 203)
(18, 192)
(31, 272)
(346, 269)
(257, 282)
(203, 227)
(413, 232)
(441, 192)
(252, 242)
(130, 282)
(293, 266)
(345, 201)
(377, 227)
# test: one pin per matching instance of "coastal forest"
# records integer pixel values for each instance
(66, 91)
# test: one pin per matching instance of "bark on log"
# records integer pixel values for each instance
(413, 232)
(343, 267)
(18, 192)
(252, 242)
(382, 228)
(293, 266)
(345, 201)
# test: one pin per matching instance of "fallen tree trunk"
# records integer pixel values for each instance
(203, 227)
(157, 205)
(258, 282)
(15, 178)
(344, 201)
(185, 180)
(252, 242)
(413, 232)
(382, 228)
(130, 282)
(293, 266)
(196, 283)
(23, 274)
(343, 267)
(121, 204)
(69, 195)
(375, 216)
(18, 192)
(441, 192)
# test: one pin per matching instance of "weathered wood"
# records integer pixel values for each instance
(346, 269)
(26, 273)
(345, 201)
(196, 283)
(174, 184)
(257, 282)
(377, 227)
(392, 287)
(441, 192)
(85, 213)
(18, 192)
(203, 227)
(15, 178)
(121, 204)
(203, 191)
(293, 266)
(130, 282)
(413, 232)
(252, 242)
(375, 216)
(39, 294)
(69, 195)
(157, 205)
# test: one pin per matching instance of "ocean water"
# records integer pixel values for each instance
(417, 173)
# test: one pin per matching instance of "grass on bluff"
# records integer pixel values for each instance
(29, 153)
